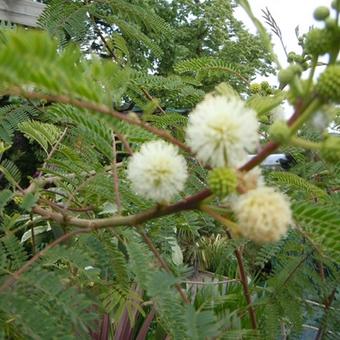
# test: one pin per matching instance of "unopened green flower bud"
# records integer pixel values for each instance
(222, 181)
(291, 56)
(331, 23)
(265, 85)
(285, 76)
(318, 41)
(255, 88)
(298, 59)
(279, 132)
(321, 13)
(328, 86)
(305, 65)
(330, 149)
(297, 69)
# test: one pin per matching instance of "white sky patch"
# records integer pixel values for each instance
(288, 15)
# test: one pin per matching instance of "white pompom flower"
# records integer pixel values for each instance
(263, 214)
(157, 171)
(221, 131)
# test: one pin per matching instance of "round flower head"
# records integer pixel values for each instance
(263, 214)
(221, 130)
(157, 171)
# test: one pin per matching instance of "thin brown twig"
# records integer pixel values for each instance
(125, 143)
(53, 150)
(15, 276)
(291, 274)
(148, 95)
(245, 286)
(163, 264)
(328, 303)
(115, 175)
(99, 108)
(102, 38)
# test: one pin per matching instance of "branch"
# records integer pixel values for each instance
(148, 96)
(125, 143)
(115, 175)
(328, 303)
(189, 203)
(98, 108)
(15, 276)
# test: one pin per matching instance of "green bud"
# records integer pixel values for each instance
(299, 59)
(318, 41)
(305, 65)
(291, 56)
(265, 85)
(330, 149)
(328, 85)
(297, 69)
(255, 88)
(321, 13)
(331, 23)
(222, 181)
(285, 76)
(280, 132)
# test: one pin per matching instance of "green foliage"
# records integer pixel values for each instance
(296, 184)
(263, 105)
(10, 171)
(46, 135)
(10, 117)
(323, 224)
(65, 272)
(5, 197)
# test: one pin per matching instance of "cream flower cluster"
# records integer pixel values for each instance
(157, 171)
(221, 131)
(263, 214)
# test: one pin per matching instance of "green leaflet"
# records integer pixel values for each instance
(322, 223)
(263, 105)
(293, 182)
(45, 134)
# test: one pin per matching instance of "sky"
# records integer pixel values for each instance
(288, 14)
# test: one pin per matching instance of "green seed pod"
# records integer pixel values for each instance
(279, 132)
(330, 149)
(291, 56)
(321, 13)
(318, 41)
(222, 181)
(328, 85)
